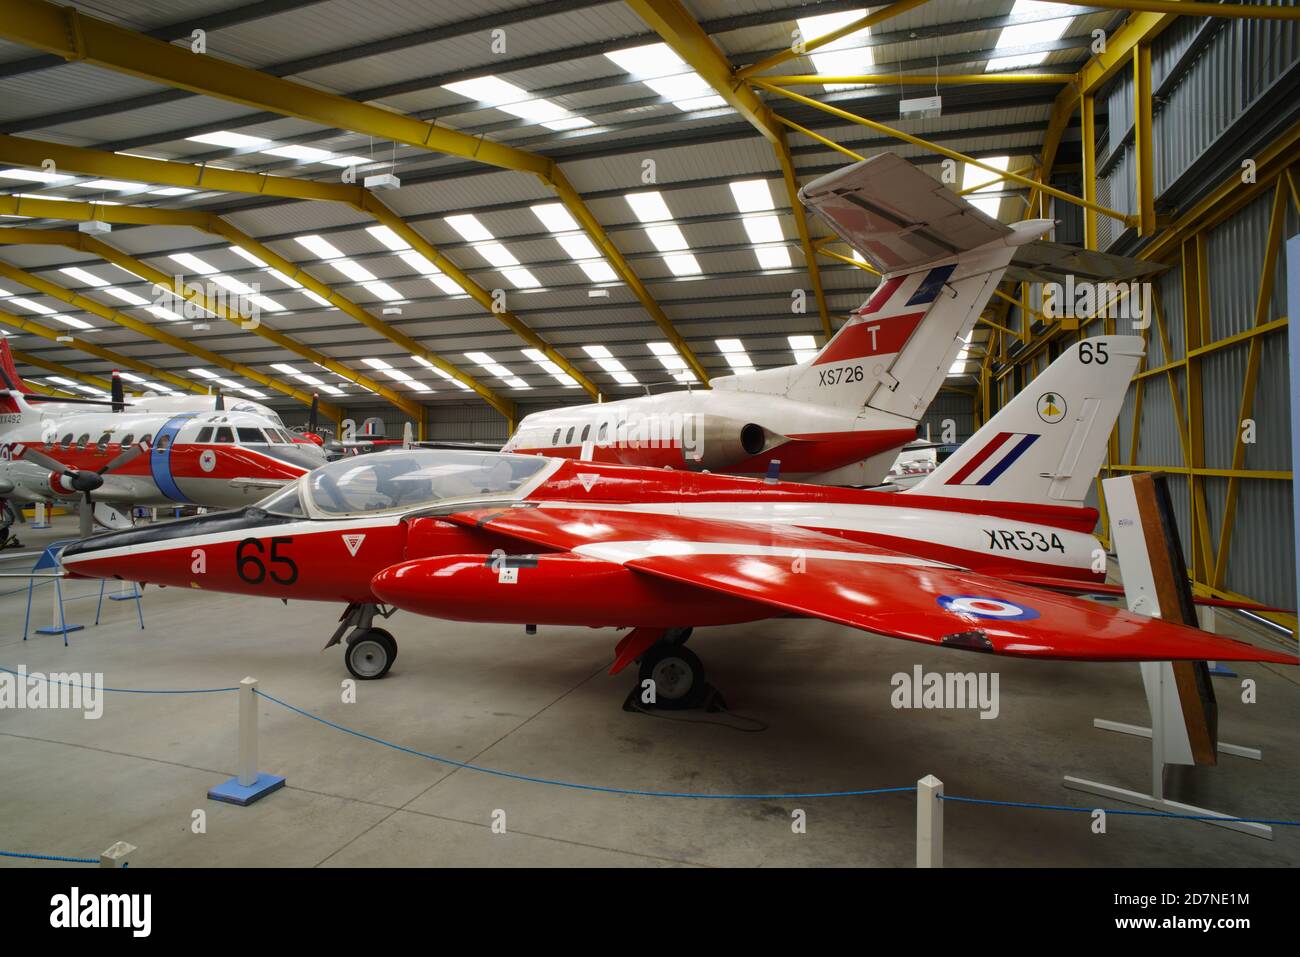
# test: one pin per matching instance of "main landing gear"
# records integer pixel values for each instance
(370, 651)
(670, 677)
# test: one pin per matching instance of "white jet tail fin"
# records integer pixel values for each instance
(1045, 446)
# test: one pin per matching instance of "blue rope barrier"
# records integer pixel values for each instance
(1127, 811)
(607, 789)
(73, 684)
(51, 857)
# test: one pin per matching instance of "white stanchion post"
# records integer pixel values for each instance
(929, 822)
(247, 732)
(118, 855)
(40, 514)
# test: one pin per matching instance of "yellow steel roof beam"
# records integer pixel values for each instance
(688, 40)
(1187, 8)
(57, 369)
(145, 329)
(74, 36)
(816, 43)
(14, 149)
(119, 360)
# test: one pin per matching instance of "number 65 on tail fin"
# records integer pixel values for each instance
(1046, 445)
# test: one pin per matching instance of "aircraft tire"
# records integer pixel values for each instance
(370, 655)
(678, 675)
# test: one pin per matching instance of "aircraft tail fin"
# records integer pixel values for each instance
(1046, 445)
(11, 380)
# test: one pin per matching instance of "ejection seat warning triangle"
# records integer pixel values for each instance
(353, 542)
(588, 479)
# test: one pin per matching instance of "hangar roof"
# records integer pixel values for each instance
(651, 150)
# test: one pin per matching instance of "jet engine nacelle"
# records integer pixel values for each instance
(551, 589)
(718, 443)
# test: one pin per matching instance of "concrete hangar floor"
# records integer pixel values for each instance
(544, 706)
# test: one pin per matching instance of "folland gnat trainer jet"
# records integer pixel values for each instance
(840, 416)
(959, 562)
(106, 452)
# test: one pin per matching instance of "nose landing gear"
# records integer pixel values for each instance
(370, 651)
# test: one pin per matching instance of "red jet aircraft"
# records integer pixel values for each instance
(965, 560)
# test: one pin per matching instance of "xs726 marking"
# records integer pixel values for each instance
(1003, 540)
(842, 374)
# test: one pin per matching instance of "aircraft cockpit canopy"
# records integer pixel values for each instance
(406, 479)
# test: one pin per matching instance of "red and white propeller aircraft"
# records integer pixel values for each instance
(54, 449)
(961, 561)
(840, 417)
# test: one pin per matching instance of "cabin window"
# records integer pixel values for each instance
(83, 440)
(224, 434)
(164, 441)
(104, 439)
(66, 441)
(144, 439)
(586, 431)
(568, 438)
(604, 431)
(127, 439)
(251, 436)
(205, 435)
(555, 439)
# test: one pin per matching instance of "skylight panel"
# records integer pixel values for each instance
(172, 191)
(648, 207)
(763, 229)
(845, 56)
(79, 274)
(73, 323)
(981, 180)
(389, 238)
(553, 369)
(33, 175)
(805, 347)
(491, 366)
(606, 361)
(316, 298)
(1030, 34)
(35, 307)
(163, 313)
(244, 254)
(319, 247)
(496, 254)
(353, 270)
(658, 67)
(308, 154)
(228, 139)
(132, 377)
(126, 297)
(470, 229)
(193, 263)
(284, 368)
(598, 270)
(517, 101)
(555, 217)
(671, 360)
(752, 195)
(382, 290)
(442, 372)
(773, 257)
(521, 278)
(118, 184)
(202, 373)
(733, 350)
(348, 161)
(683, 264)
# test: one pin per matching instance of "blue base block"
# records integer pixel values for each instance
(59, 631)
(1219, 671)
(232, 792)
(34, 525)
(123, 597)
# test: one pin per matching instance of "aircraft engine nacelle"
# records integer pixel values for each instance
(718, 443)
(72, 484)
(551, 589)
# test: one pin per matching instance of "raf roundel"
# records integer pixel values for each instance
(981, 606)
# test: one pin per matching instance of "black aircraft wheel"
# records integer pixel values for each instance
(678, 675)
(370, 654)
(677, 636)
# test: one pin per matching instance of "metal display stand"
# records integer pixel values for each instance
(1180, 700)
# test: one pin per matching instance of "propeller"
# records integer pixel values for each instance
(220, 405)
(81, 480)
(119, 395)
(311, 417)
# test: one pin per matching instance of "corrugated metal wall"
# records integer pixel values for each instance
(1207, 75)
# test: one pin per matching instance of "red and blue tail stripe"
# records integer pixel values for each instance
(986, 465)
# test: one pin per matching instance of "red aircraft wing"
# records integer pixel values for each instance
(863, 586)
